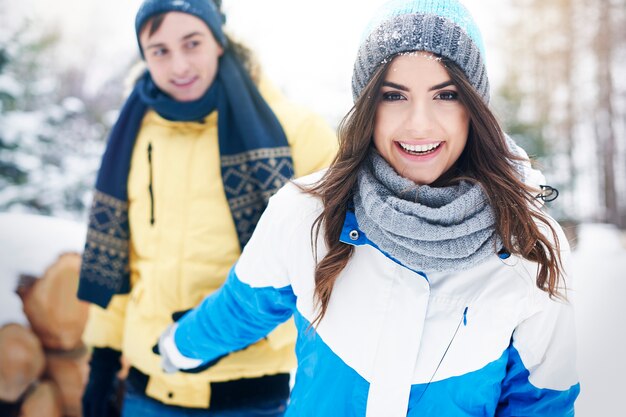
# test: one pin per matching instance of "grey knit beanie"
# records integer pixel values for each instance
(443, 27)
(206, 10)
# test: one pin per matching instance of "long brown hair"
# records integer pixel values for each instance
(486, 160)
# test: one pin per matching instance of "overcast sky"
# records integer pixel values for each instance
(307, 48)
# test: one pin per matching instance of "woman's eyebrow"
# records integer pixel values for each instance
(441, 85)
(394, 85)
(404, 88)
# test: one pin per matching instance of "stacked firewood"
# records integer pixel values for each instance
(44, 368)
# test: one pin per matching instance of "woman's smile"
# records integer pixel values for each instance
(422, 150)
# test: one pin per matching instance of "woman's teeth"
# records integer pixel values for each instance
(419, 149)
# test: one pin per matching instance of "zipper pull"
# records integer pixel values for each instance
(465, 316)
(150, 187)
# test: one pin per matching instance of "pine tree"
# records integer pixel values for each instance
(563, 98)
(51, 136)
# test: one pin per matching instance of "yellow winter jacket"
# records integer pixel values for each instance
(186, 254)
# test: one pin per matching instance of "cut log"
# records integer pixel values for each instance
(21, 361)
(53, 310)
(69, 370)
(43, 401)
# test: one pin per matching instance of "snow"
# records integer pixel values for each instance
(20, 126)
(599, 263)
(10, 86)
(28, 245)
(73, 105)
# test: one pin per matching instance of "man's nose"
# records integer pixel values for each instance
(180, 64)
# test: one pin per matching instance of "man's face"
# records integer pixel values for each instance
(182, 56)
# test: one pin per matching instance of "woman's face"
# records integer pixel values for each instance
(420, 126)
(182, 56)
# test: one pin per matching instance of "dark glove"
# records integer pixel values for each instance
(177, 315)
(99, 395)
(10, 409)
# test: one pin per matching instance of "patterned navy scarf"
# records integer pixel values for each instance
(255, 160)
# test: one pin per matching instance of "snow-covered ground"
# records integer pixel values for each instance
(599, 266)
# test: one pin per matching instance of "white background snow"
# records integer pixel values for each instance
(599, 268)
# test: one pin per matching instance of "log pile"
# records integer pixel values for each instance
(44, 368)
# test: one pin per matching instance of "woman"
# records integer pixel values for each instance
(197, 151)
(422, 274)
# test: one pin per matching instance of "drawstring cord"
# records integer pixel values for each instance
(547, 193)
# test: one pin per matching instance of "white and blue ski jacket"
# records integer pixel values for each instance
(484, 341)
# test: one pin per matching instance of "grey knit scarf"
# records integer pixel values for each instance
(425, 228)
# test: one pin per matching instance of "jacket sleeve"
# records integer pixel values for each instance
(256, 297)
(232, 318)
(541, 378)
(313, 145)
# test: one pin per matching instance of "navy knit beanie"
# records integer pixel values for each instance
(206, 10)
(443, 27)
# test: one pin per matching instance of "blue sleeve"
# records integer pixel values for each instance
(520, 397)
(541, 378)
(232, 318)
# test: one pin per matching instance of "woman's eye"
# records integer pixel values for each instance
(391, 96)
(448, 95)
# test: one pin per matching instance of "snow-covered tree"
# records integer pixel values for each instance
(566, 99)
(51, 134)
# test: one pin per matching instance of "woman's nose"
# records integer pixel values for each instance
(420, 117)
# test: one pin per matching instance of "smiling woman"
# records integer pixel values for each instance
(422, 273)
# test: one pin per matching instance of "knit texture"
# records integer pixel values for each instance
(427, 229)
(443, 27)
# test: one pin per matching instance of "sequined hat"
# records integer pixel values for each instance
(443, 27)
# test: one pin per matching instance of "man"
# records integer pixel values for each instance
(191, 162)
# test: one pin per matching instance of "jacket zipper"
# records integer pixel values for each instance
(463, 322)
(150, 187)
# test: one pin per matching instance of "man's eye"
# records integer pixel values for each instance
(192, 44)
(159, 52)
